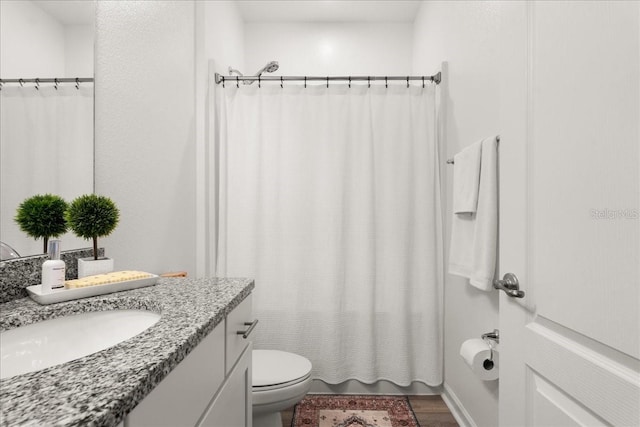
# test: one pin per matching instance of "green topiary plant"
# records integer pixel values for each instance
(42, 216)
(92, 216)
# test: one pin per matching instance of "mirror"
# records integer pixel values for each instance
(46, 129)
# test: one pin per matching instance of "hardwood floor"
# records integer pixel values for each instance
(431, 411)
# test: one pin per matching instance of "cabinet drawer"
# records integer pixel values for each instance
(184, 394)
(237, 321)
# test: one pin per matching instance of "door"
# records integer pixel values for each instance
(569, 214)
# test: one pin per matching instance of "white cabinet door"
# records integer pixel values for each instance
(569, 227)
(233, 406)
(181, 398)
(238, 320)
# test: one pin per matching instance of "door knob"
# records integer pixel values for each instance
(510, 285)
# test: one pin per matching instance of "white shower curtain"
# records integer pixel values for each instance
(329, 198)
(46, 146)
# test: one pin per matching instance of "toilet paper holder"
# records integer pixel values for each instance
(493, 336)
(490, 338)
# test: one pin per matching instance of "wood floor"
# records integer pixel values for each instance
(431, 411)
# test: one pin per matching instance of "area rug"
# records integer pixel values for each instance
(328, 410)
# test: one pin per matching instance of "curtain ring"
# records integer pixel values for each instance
(369, 81)
(327, 82)
(407, 82)
(238, 82)
(77, 83)
(386, 85)
(305, 82)
(21, 82)
(259, 82)
(55, 83)
(281, 85)
(422, 82)
(223, 81)
(349, 82)
(37, 83)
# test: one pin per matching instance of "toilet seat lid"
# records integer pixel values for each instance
(273, 367)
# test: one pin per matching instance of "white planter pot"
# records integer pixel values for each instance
(91, 267)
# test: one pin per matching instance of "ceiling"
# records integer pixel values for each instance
(69, 12)
(328, 10)
(75, 12)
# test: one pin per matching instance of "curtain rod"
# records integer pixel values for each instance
(54, 80)
(437, 78)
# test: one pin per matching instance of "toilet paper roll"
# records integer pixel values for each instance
(476, 354)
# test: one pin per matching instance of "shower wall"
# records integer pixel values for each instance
(24, 27)
(33, 43)
(329, 48)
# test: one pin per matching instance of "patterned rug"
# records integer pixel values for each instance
(329, 410)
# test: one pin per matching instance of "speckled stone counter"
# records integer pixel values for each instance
(100, 389)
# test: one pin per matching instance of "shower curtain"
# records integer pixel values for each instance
(46, 146)
(330, 199)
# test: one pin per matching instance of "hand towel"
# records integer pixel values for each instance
(466, 179)
(474, 236)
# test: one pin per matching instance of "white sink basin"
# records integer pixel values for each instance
(40, 345)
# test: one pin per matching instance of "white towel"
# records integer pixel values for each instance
(474, 236)
(466, 179)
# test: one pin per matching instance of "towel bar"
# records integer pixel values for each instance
(451, 161)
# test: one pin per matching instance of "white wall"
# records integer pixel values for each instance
(224, 34)
(219, 44)
(145, 150)
(325, 48)
(31, 42)
(79, 41)
(150, 125)
(34, 43)
(465, 35)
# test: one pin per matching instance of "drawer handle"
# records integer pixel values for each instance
(251, 325)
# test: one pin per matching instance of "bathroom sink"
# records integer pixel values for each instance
(51, 342)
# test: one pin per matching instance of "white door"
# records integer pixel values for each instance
(569, 214)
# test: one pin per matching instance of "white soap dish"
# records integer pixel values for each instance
(63, 294)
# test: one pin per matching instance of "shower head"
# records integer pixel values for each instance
(269, 68)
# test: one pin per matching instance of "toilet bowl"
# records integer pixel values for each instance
(279, 381)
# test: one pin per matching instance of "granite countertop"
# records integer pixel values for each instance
(100, 389)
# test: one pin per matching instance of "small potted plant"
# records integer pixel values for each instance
(42, 216)
(92, 216)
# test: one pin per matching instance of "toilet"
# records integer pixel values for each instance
(280, 380)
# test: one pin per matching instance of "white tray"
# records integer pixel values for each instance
(63, 294)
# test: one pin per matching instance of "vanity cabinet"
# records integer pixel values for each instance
(210, 387)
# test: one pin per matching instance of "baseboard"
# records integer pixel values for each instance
(380, 387)
(457, 409)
